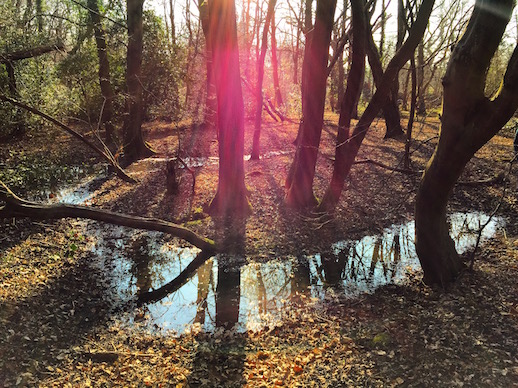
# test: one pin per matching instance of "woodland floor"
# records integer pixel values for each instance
(58, 329)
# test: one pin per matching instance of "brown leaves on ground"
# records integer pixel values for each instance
(58, 326)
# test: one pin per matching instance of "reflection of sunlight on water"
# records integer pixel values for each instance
(266, 289)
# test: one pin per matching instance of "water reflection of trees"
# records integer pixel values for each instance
(257, 292)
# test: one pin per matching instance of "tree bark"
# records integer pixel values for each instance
(421, 105)
(411, 113)
(134, 145)
(300, 182)
(104, 74)
(231, 195)
(469, 120)
(256, 148)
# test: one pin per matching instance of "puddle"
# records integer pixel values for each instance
(247, 294)
(253, 295)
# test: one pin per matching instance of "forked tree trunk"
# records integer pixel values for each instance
(469, 120)
(354, 141)
(390, 108)
(349, 100)
(134, 145)
(300, 182)
(256, 148)
(104, 74)
(231, 195)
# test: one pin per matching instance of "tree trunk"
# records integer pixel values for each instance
(211, 108)
(334, 190)
(256, 148)
(173, 26)
(134, 145)
(469, 120)
(39, 15)
(300, 191)
(390, 109)
(104, 74)
(275, 65)
(231, 195)
(354, 142)
(421, 106)
(411, 113)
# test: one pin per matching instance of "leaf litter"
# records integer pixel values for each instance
(59, 327)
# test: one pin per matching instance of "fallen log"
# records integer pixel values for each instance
(31, 52)
(16, 207)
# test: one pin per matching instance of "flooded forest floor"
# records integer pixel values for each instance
(64, 320)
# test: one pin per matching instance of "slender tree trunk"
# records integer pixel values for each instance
(256, 148)
(383, 23)
(300, 189)
(248, 42)
(334, 190)
(421, 105)
(231, 195)
(39, 15)
(469, 120)
(411, 113)
(340, 62)
(173, 26)
(134, 145)
(211, 108)
(275, 65)
(104, 73)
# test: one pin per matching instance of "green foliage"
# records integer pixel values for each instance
(160, 72)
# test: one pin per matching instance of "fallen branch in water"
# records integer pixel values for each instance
(105, 154)
(17, 207)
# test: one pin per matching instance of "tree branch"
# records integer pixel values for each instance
(106, 154)
(17, 207)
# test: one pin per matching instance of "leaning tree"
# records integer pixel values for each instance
(469, 120)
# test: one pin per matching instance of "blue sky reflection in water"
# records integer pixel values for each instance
(142, 261)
